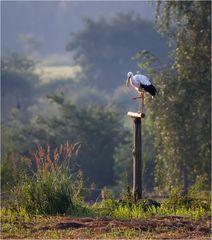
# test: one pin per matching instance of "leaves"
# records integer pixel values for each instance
(181, 127)
(104, 47)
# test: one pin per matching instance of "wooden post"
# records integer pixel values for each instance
(137, 156)
(185, 180)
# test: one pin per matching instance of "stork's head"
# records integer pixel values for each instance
(129, 75)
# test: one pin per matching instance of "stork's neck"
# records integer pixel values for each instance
(131, 78)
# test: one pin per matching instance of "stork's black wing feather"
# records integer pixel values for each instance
(150, 88)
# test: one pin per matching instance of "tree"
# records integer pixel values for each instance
(18, 83)
(182, 113)
(99, 130)
(104, 48)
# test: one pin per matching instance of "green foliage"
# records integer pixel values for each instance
(78, 185)
(89, 95)
(197, 187)
(104, 48)
(18, 82)
(126, 194)
(59, 99)
(107, 205)
(175, 205)
(146, 60)
(81, 210)
(10, 215)
(118, 211)
(99, 130)
(182, 113)
(178, 201)
(16, 63)
(13, 164)
(123, 162)
(48, 193)
(51, 188)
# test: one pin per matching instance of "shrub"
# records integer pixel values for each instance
(12, 167)
(177, 200)
(52, 186)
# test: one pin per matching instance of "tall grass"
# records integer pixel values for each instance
(175, 205)
(136, 212)
(51, 187)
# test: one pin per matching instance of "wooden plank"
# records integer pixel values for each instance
(134, 115)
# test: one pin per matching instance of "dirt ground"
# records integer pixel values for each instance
(94, 228)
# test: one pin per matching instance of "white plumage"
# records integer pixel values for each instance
(139, 82)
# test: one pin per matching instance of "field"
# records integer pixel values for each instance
(60, 227)
(20, 225)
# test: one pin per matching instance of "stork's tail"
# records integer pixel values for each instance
(153, 91)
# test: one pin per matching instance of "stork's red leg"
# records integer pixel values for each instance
(142, 101)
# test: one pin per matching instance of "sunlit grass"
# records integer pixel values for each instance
(10, 216)
(124, 212)
(136, 211)
(17, 223)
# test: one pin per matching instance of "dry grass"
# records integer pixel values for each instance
(95, 228)
(52, 187)
(44, 160)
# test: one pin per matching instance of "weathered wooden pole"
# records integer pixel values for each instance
(137, 155)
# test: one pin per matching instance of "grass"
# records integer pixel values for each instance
(51, 187)
(185, 207)
(124, 212)
(49, 204)
(124, 233)
(145, 225)
(109, 219)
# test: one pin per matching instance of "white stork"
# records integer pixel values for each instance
(140, 83)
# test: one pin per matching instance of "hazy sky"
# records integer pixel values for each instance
(52, 21)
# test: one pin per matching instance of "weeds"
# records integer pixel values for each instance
(137, 212)
(175, 205)
(19, 223)
(11, 216)
(52, 187)
(82, 211)
(13, 166)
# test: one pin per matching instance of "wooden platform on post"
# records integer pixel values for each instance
(134, 114)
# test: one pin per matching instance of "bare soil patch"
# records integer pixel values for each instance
(105, 228)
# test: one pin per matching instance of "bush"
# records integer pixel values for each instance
(190, 202)
(52, 186)
(12, 167)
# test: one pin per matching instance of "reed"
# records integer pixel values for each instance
(52, 187)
